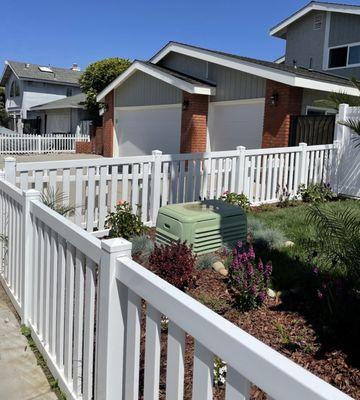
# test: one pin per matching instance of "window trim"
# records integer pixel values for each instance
(328, 111)
(348, 46)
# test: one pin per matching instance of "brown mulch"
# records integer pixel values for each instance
(281, 324)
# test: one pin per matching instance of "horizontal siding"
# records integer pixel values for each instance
(230, 84)
(344, 29)
(142, 90)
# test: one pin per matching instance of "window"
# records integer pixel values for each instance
(68, 92)
(338, 57)
(45, 69)
(354, 55)
(319, 111)
(344, 56)
(14, 89)
(318, 22)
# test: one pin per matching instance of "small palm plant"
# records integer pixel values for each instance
(336, 98)
(57, 201)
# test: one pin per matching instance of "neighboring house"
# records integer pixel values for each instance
(62, 116)
(28, 85)
(192, 99)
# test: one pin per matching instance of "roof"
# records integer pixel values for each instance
(177, 79)
(5, 131)
(76, 101)
(32, 72)
(290, 75)
(280, 29)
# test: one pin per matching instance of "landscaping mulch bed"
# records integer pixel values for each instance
(284, 324)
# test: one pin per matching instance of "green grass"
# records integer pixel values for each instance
(290, 264)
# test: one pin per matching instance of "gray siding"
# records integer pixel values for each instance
(230, 84)
(309, 98)
(142, 90)
(303, 43)
(344, 29)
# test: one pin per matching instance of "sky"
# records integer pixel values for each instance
(63, 32)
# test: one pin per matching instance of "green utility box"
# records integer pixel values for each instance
(207, 225)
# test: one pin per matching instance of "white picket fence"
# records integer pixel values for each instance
(149, 182)
(81, 298)
(40, 144)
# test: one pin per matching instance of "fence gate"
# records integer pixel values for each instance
(311, 129)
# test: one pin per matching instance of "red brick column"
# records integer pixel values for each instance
(84, 147)
(108, 125)
(277, 116)
(194, 123)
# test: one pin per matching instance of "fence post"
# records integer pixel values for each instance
(303, 166)
(39, 144)
(155, 185)
(240, 163)
(111, 323)
(340, 130)
(335, 175)
(10, 170)
(27, 255)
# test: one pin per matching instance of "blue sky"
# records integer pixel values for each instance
(62, 32)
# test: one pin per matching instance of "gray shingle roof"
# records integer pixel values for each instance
(77, 101)
(32, 72)
(298, 71)
(179, 75)
(5, 131)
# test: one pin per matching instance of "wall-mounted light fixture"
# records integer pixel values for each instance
(185, 104)
(274, 98)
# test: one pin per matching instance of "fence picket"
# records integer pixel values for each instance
(237, 387)
(202, 374)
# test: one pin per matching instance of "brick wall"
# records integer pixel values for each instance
(277, 117)
(108, 125)
(84, 147)
(194, 123)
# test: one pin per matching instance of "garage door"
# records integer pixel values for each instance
(58, 122)
(141, 130)
(236, 123)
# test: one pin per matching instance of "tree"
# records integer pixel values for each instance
(334, 100)
(4, 116)
(96, 77)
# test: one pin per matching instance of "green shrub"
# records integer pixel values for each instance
(316, 193)
(218, 305)
(264, 235)
(237, 199)
(123, 223)
(175, 263)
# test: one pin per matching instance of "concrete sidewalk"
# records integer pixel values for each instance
(20, 376)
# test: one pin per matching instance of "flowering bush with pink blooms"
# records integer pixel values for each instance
(249, 278)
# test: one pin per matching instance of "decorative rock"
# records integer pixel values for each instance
(218, 266)
(289, 243)
(271, 293)
(224, 272)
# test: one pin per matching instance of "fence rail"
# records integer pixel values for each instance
(40, 144)
(83, 299)
(149, 182)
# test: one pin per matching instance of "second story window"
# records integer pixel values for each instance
(344, 56)
(68, 92)
(14, 89)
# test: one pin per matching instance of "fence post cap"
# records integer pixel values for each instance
(302, 144)
(241, 148)
(32, 193)
(10, 159)
(116, 245)
(156, 152)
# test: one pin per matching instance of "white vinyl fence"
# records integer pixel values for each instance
(40, 144)
(82, 300)
(348, 171)
(149, 182)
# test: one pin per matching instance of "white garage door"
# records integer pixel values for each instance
(58, 121)
(141, 130)
(236, 123)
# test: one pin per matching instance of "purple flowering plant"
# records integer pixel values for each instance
(248, 277)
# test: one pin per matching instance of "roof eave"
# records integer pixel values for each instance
(161, 75)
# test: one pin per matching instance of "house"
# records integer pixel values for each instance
(191, 99)
(29, 85)
(66, 115)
